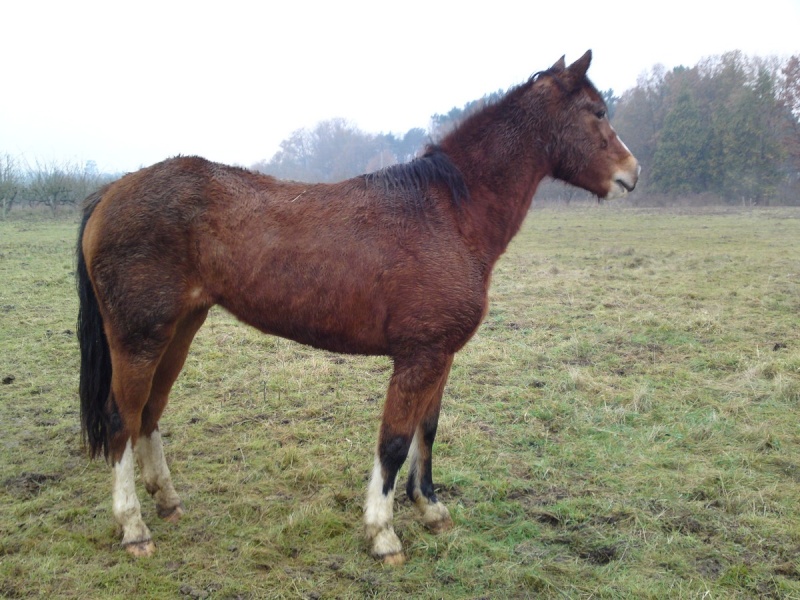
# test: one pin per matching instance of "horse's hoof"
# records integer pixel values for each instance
(386, 546)
(140, 549)
(437, 527)
(394, 560)
(436, 518)
(171, 514)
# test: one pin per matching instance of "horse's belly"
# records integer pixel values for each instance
(345, 328)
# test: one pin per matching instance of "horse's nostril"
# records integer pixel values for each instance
(628, 187)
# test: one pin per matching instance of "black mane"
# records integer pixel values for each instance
(414, 178)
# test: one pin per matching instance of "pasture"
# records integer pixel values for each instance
(623, 425)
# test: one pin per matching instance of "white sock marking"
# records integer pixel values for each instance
(125, 503)
(378, 512)
(155, 473)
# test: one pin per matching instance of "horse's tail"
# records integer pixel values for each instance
(95, 371)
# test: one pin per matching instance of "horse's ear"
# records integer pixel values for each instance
(559, 66)
(576, 72)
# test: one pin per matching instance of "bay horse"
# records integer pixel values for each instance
(395, 263)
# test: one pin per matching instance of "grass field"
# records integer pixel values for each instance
(625, 424)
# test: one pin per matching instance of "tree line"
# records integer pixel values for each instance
(51, 185)
(725, 130)
(335, 149)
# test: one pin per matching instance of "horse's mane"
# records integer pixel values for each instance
(414, 178)
(410, 181)
(507, 99)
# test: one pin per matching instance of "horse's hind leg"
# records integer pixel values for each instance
(130, 388)
(139, 373)
(413, 386)
(435, 515)
(149, 452)
(149, 449)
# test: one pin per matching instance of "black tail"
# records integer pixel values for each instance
(95, 377)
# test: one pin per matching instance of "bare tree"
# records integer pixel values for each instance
(60, 184)
(10, 184)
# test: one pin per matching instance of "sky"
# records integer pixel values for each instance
(126, 84)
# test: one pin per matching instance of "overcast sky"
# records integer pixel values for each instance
(127, 84)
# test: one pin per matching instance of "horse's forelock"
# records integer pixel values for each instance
(558, 80)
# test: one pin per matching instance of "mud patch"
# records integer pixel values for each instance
(546, 517)
(7, 590)
(685, 524)
(198, 593)
(601, 555)
(789, 570)
(529, 497)
(710, 567)
(28, 485)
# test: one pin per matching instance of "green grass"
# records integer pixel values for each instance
(623, 425)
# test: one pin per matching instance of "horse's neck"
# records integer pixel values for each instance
(502, 174)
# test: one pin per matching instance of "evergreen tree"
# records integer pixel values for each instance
(748, 150)
(728, 125)
(611, 102)
(789, 98)
(680, 161)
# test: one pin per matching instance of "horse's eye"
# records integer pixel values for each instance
(600, 114)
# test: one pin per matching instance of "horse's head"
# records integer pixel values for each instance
(585, 150)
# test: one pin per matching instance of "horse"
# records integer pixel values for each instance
(396, 263)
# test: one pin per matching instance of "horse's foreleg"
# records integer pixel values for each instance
(378, 511)
(411, 388)
(435, 515)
